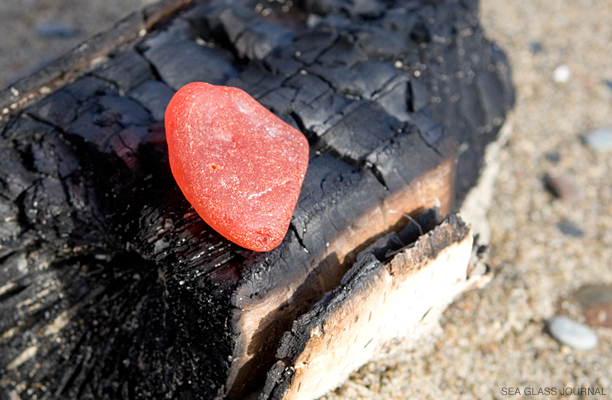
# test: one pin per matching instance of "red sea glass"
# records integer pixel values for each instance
(239, 165)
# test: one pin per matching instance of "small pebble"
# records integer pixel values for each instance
(561, 74)
(608, 83)
(536, 47)
(572, 334)
(569, 229)
(589, 296)
(599, 140)
(600, 315)
(562, 186)
(57, 29)
(554, 157)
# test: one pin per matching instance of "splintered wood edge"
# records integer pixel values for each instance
(432, 189)
(477, 203)
(376, 308)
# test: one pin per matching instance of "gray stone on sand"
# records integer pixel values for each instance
(589, 296)
(599, 140)
(569, 229)
(572, 333)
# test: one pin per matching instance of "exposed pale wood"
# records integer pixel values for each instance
(377, 307)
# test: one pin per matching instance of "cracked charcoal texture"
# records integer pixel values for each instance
(112, 287)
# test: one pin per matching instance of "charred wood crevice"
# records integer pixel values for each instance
(112, 287)
(389, 245)
(125, 70)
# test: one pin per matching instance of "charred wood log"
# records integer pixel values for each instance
(112, 287)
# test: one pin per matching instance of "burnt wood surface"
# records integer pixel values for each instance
(112, 287)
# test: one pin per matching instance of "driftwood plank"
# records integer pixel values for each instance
(112, 287)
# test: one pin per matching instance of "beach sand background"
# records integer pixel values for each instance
(494, 340)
